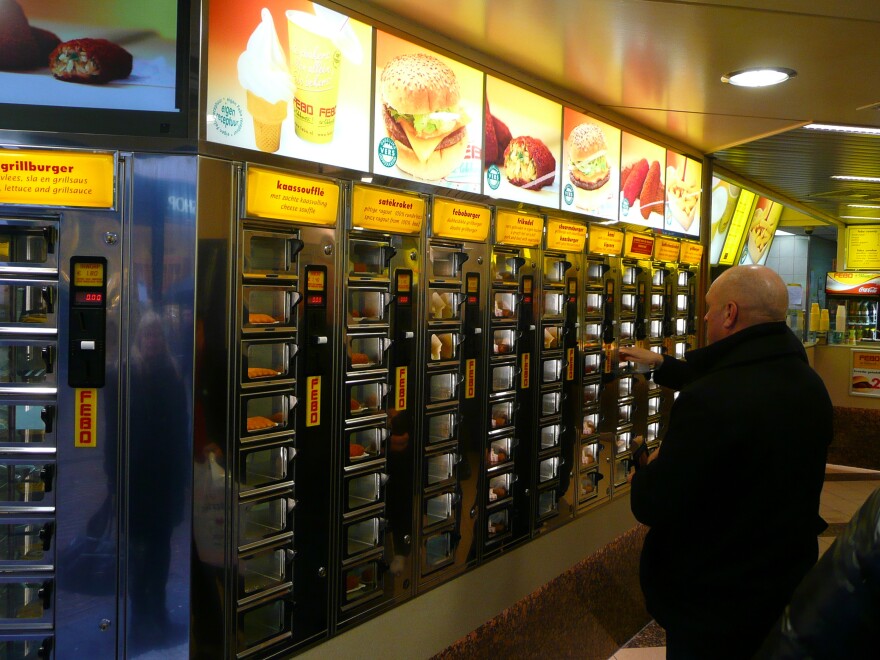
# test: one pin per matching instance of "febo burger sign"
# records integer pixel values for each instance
(590, 166)
(428, 115)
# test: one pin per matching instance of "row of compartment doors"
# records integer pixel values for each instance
(406, 406)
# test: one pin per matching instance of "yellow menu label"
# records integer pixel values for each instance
(525, 366)
(373, 208)
(665, 249)
(863, 247)
(457, 220)
(638, 246)
(57, 178)
(569, 364)
(603, 240)
(85, 416)
(566, 235)
(313, 401)
(280, 196)
(521, 229)
(738, 224)
(88, 274)
(400, 379)
(691, 253)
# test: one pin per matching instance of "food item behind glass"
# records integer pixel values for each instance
(261, 372)
(528, 163)
(490, 152)
(258, 422)
(422, 114)
(356, 450)
(588, 165)
(263, 72)
(90, 61)
(256, 318)
(360, 358)
(22, 46)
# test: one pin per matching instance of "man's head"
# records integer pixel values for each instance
(744, 296)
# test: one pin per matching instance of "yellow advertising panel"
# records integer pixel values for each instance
(638, 246)
(57, 178)
(691, 253)
(383, 210)
(457, 220)
(666, 249)
(738, 224)
(863, 248)
(280, 196)
(604, 240)
(88, 274)
(522, 229)
(566, 235)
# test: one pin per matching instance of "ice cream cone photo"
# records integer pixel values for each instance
(267, 118)
(263, 72)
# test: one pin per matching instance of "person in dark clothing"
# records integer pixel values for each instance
(835, 610)
(732, 495)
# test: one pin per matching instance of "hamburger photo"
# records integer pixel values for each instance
(588, 166)
(422, 114)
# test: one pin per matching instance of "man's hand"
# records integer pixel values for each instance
(641, 356)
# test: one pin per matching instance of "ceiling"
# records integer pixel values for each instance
(656, 65)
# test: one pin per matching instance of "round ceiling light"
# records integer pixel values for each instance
(759, 77)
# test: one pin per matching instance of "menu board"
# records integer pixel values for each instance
(638, 246)
(526, 131)
(289, 77)
(724, 199)
(691, 253)
(591, 166)
(642, 182)
(762, 228)
(427, 116)
(605, 240)
(522, 229)
(741, 216)
(144, 52)
(863, 248)
(666, 249)
(865, 373)
(566, 235)
(684, 187)
(453, 219)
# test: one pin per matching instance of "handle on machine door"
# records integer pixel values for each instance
(45, 594)
(295, 297)
(319, 340)
(296, 246)
(47, 414)
(48, 355)
(45, 650)
(50, 235)
(388, 253)
(48, 295)
(46, 475)
(45, 535)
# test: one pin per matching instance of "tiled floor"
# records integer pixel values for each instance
(844, 492)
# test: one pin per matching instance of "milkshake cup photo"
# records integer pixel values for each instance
(317, 42)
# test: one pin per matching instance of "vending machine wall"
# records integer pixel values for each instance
(54, 273)
(857, 296)
(382, 341)
(93, 296)
(511, 346)
(595, 434)
(558, 404)
(453, 390)
(279, 311)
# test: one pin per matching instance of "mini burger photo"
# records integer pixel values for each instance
(588, 166)
(422, 115)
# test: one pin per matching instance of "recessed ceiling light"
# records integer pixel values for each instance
(858, 217)
(864, 206)
(758, 77)
(840, 128)
(862, 179)
(781, 232)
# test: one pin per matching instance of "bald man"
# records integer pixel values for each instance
(732, 498)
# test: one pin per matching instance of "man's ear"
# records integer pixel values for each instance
(731, 313)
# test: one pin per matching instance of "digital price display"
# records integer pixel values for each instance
(88, 297)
